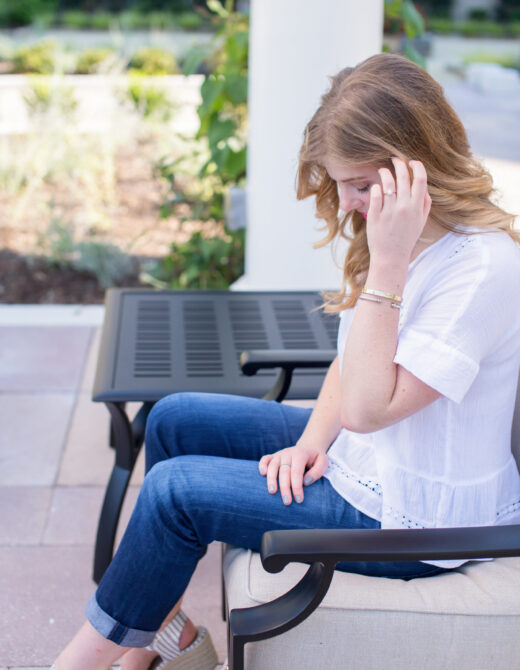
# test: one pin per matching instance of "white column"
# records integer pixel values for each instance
(295, 46)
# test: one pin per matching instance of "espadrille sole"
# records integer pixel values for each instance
(202, 656)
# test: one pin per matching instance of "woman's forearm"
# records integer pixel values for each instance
(369, 375)
(325, 421)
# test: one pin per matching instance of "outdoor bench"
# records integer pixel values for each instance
(159, 342)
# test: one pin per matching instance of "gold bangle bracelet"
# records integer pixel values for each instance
(362, 296)
(382, 294)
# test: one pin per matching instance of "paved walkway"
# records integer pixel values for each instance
(54, 464)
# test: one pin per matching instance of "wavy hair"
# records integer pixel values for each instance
(388, 106)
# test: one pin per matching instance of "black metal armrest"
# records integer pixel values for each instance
(323, 549)
(280, 547)
(286, 359)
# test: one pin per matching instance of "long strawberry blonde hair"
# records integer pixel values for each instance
(388, 106)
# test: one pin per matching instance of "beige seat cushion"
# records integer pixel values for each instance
(465, 619)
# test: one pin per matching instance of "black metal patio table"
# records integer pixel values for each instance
(159, 342)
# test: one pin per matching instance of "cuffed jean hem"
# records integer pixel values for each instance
(114, 631)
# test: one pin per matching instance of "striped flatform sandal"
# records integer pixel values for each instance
(199, 655)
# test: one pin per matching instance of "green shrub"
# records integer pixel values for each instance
(131, 19)
(44, 20)
(154, 61)
(478, 14)
(75, 18)
(24, 12)
(473, 28)
(160, 20)
(189, 21)
(39, 58)
(101, 20)
(150, 99)
(42, 95)
(441, 26)
(201, 263)
(106, 261)
(481, 29)
(506, 60)
(90, 60)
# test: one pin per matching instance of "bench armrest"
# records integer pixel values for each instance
(281, 547)
(286, 359)
(252, 361)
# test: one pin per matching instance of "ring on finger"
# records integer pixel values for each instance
(389, 191)
(285, 464)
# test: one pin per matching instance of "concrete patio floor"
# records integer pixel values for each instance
(54, 464)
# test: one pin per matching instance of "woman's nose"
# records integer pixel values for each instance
(349, 201)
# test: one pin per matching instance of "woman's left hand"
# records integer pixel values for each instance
(398, 212)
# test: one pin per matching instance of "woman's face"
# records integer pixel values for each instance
(354, 184)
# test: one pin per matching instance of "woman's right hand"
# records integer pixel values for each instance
(291, 469)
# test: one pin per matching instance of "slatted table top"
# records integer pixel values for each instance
(159, 342)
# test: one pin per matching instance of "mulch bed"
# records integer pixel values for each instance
(32, 280)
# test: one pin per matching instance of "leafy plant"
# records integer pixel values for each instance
(150, 98)
(216, 160)
(159, 20)
(403, 16)
(24, 12)
(223, 117)
(39, 57)
(201, 262)
(474, 28)
(153, 61)
(90, 60)
(189, 21)
(478, 14)
(57, 244)
(131, 19)
(44, 94)
(75, 18)
(101, 20)
(510, 60)
(105, 261)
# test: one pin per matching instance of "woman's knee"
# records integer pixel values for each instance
(181, 485)
(169, 423)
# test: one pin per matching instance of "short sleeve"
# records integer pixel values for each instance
(469, 305)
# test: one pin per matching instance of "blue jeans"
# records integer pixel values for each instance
(203, 484)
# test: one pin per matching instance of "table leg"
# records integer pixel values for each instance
(127, 440)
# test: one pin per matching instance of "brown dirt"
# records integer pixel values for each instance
(34, 280)
(130, 219)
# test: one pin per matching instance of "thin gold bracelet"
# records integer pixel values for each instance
(396, 305)
(382, 294)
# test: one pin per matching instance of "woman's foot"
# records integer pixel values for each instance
(141, 659)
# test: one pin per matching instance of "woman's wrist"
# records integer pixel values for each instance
(387, 275)
(316, 444)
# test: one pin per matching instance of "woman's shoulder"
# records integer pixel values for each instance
(494, 251)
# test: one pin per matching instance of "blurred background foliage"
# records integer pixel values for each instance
(196, 180)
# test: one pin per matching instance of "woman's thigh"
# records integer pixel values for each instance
(220, 425)
(227, 500)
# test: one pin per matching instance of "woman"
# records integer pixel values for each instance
(412, 425)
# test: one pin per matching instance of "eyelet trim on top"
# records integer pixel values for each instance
(508, 509)
(468, 239)
(402, 519)
(370, 484)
